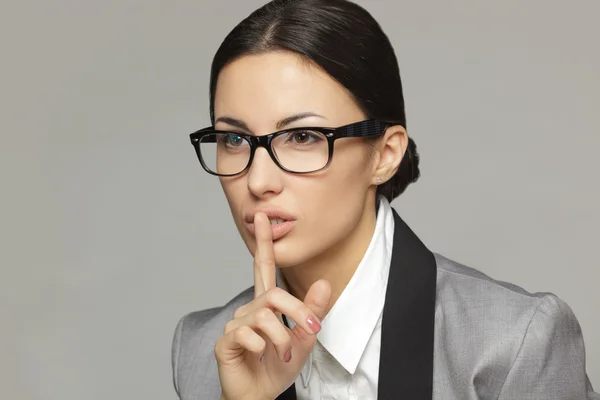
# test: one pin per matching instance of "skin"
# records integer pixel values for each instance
(334, 211)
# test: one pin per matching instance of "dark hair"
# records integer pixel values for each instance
(344, 40)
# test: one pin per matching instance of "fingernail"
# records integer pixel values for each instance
(313, 324)
(288, 356)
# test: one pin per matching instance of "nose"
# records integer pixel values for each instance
(264, 176)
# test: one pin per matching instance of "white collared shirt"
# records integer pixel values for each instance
(344, 364)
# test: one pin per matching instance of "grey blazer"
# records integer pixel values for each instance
(448, 332)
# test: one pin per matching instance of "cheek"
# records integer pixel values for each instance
(331, 204)
(237, 195)
(341, 188)
(350, 172)
(235, 191)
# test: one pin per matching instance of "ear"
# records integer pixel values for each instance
(390, 150)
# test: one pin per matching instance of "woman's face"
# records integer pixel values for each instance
(261, 90)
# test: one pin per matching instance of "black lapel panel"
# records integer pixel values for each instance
(289, 394)
(407, 331)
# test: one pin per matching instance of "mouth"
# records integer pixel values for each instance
(279, 228)
(281, 223)
(277, 221)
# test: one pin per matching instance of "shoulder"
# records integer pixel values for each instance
(476, 299)
(466, 290)
(472, 296)
(207, 319)
(466, 284)
(206, 323)
(496, 332)
(195, 337)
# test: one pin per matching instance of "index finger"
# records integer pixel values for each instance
(264, 256)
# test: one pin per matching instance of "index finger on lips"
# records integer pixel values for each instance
(264, 256)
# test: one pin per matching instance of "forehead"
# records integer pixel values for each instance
(265, 88)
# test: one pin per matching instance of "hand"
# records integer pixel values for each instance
(258, 357)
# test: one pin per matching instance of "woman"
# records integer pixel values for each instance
(310, 146)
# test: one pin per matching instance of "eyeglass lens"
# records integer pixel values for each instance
(297, 151)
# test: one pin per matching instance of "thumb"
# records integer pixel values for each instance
(317, 300)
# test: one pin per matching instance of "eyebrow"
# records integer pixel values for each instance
(282, 123)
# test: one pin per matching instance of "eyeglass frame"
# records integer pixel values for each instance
(366, 128)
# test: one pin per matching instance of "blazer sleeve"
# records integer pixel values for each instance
(192, 352)
(550, 363)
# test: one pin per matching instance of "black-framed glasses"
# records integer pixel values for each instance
(296, 150)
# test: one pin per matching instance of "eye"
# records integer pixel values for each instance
(304, 137)
(232, 140)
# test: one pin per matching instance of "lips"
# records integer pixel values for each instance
(282, 222)
(271, 212)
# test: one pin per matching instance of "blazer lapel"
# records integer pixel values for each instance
(289, 394)
(407, 330)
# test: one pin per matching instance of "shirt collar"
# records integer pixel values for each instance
(347, 328)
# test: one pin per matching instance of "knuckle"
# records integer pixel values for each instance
(218, 347)
(240, 333)
(263, 260)
(275, 294)
(229, 326)
(263, 315)
(302, 309)
(282, 342)
(240, 311)
(277, 291)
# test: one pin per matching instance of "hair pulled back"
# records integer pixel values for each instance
(345, 41)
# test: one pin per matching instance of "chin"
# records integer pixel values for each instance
(290, 252)
(286, 253)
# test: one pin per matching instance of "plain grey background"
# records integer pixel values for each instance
(110, 231)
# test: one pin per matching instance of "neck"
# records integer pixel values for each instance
(338, 264)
